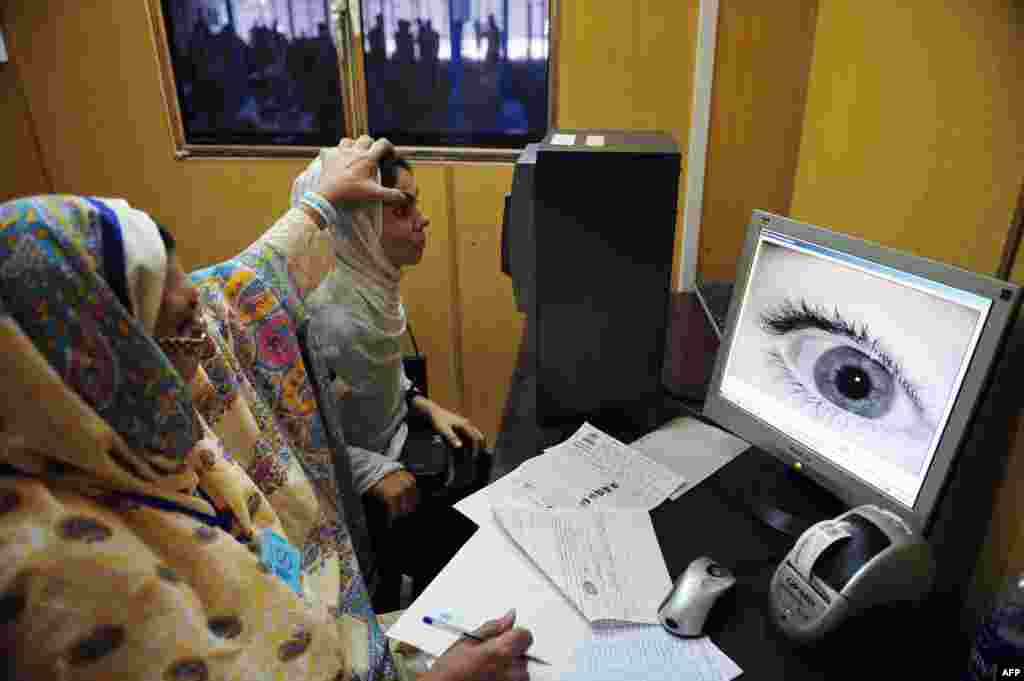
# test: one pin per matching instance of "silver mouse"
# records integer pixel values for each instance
(686, 607)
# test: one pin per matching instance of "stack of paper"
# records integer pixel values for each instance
(566, 540)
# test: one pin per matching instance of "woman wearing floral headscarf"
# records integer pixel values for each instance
(141, 536)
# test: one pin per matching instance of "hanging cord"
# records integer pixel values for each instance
(412, 337)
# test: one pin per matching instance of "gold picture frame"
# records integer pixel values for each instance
(345, 22)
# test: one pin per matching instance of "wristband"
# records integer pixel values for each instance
(321, 206)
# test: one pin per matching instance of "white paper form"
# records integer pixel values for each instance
(507, 489)
(606, 562)
(488, 576)
(691, 448)
(649, 653)
(592, 468)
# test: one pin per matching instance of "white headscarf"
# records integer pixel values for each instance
(362, 268)
(145, 260)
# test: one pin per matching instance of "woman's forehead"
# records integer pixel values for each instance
(406, 181)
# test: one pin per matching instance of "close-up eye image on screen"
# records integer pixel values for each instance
(839, 353)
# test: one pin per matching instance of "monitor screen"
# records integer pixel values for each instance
(850, 361)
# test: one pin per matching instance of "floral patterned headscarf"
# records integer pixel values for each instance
(52, 284)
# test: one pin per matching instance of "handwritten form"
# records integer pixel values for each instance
(648, 653)
(607, 563)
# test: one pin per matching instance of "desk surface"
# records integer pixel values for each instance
(711, 519)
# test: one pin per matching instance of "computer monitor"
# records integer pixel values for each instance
(858, 365)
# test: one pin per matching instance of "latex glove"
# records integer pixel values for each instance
(499, 658)
(398, 491)
(349, 172)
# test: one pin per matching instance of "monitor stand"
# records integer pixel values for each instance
(778, 495)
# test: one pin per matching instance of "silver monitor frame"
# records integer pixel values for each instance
(850, 490)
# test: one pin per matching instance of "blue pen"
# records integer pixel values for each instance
(442, 624)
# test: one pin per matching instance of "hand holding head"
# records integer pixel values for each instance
(349, 172)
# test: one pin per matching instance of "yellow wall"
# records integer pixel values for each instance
(912, 137)
(23, 173)
(757, 107)
(913, 132)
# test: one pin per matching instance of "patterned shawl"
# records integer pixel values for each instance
(255, 306)
(108, 437)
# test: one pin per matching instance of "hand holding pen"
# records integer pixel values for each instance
(494, 651)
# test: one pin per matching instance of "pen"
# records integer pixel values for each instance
(441, 624)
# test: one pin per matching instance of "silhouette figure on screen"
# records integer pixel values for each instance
(328, 104)
(378, 44)
(430, 47)
(404, 50)
(195, 71)
(493, 40)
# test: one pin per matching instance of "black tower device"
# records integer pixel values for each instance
(588, 241)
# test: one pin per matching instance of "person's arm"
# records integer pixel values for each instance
(447, 423)
(300, 239)
(373, 473)
(369, 468)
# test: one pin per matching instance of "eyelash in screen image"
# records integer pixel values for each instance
(841, 374)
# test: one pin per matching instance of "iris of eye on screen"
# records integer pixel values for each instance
(857, 366)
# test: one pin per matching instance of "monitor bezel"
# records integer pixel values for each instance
(1005, 298)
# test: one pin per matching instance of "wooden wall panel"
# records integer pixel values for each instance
(427, 289)
(490, 324)
(762, 63)
(913, 135)
(23, 173)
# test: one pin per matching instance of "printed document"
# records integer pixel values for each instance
(563, 477)
(593, 469)
(648, 653)
(607, 562)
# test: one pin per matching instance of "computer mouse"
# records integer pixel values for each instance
(685, 609)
